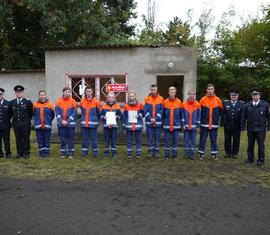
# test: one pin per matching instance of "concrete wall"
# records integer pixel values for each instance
(32, 81)
(142, 64)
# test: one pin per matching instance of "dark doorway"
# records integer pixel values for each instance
(165, 81)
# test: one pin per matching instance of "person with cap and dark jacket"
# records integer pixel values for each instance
(256, 116)
(22, 112)
(231, 120)
(5, 116)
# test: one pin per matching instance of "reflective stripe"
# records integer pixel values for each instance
(113, 148)
(59, 116)
(215, 126)
(159, 115)
(174, 127)
(48, 126)
(70, 117)
(148, 123)
(129, 126)
(72, 123)
(90, 123)
(84, 149)
(147, 114)
(37, 126)
(158, 123)
(105, 125)
(174, 148)
(214, 152)
(204, 125)
(167, 148)
(200, 151)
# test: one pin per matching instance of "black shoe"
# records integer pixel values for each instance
(18, 156)
(227, 156)
(150, 155)
(234, 156)
(248, 161)
(201, 156)
(259, 163)
(27, 156)
(8, 156)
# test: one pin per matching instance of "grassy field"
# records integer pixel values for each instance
(180, 171)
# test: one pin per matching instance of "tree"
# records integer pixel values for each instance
(29, 26)
(179, 33)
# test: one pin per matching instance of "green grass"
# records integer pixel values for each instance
(181, 171)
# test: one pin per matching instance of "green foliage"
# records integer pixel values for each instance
(238, 58)
(28, 26)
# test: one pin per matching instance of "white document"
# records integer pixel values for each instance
(132, 116)
(110, 118)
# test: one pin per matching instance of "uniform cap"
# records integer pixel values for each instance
(18, 88)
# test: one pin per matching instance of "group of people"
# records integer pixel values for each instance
(169, 115)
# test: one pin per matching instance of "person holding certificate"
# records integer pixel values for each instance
(110, 115)
(133, 122)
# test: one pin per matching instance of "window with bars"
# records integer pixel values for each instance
(98, 82)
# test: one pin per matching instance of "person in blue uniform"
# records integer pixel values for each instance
(22, 112)
(5, 116)
(231, 120)
(255, 118)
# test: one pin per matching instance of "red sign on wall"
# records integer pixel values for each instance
(116, 87)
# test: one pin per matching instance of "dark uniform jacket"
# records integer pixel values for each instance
(231, 118)
(256, 117)
(21, 113)
(5, 115)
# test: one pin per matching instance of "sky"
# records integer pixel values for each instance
(167, 9)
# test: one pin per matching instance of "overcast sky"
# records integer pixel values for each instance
(167, 9)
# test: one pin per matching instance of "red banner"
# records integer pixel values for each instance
(116, 87)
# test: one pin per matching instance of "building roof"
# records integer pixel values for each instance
(23, 71)
(106, 46)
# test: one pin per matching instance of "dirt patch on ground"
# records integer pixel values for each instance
(47, 207)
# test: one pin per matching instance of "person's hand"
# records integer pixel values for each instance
(64, 123)
(184, 128)
(198, 129)
(153, 121)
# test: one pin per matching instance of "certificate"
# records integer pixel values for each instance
(132, 116)
(110, 118)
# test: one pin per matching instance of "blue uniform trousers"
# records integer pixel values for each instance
(110, 136)
(153, 135)
(67, 135)
(190, 142)
(43, 141)
(175, 139)
(138, 139)
(89, 137)
(213, 138)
